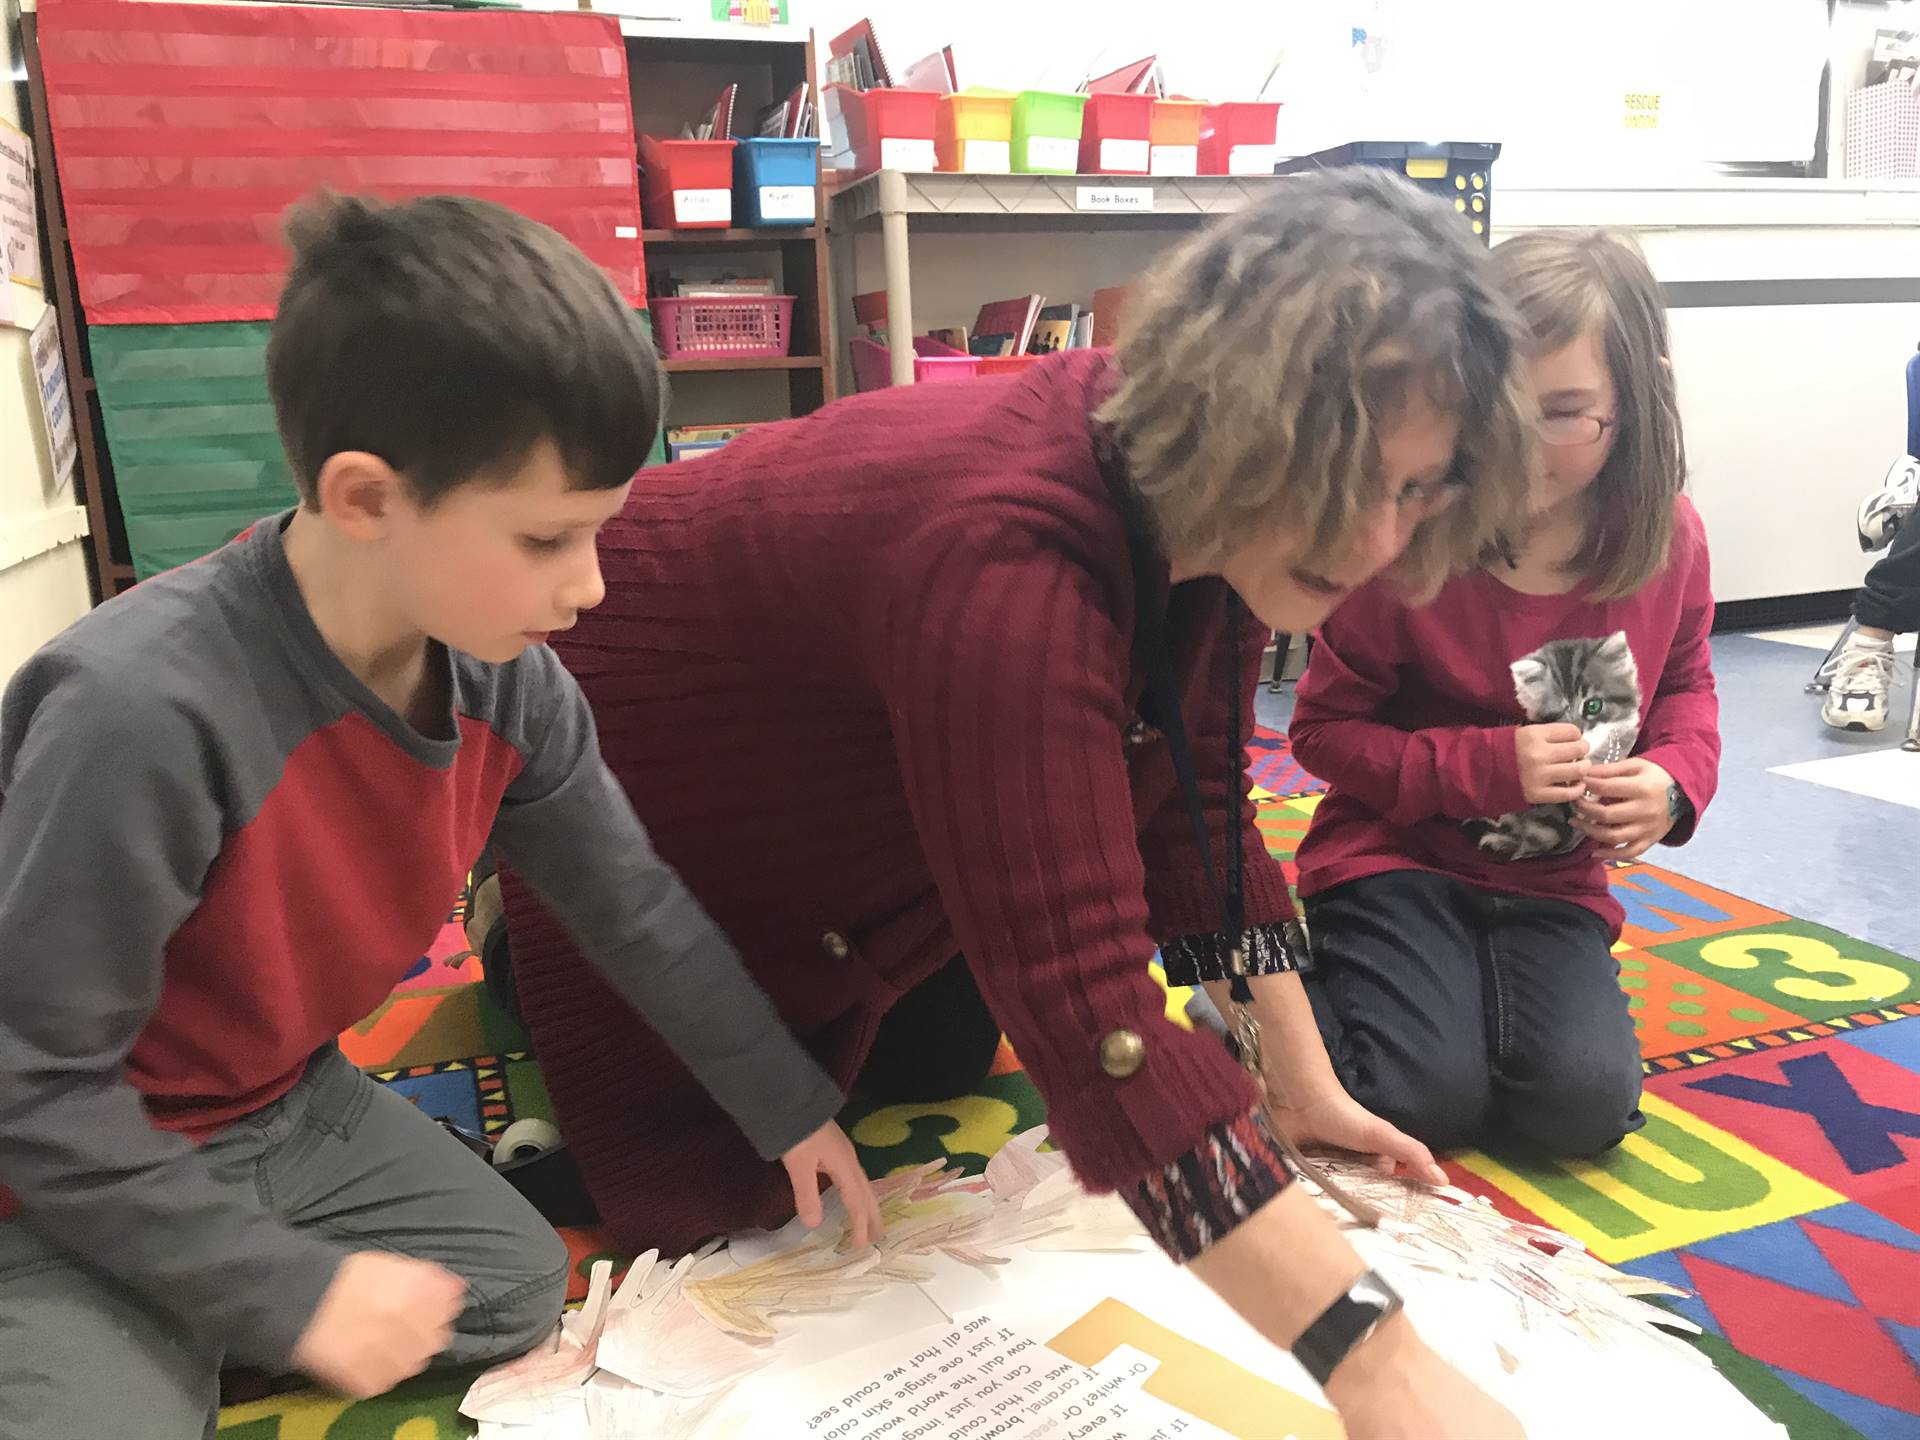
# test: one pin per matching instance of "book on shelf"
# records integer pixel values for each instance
(933, 72)
(1082, 337)
(788, 119)
(718, 123)
(1108, 305)
(731, 285)
(870, 313)
(868, 69)
(717, 433)
(1142, 77)
(1005, 327)
(1053, 330)
(954, 337)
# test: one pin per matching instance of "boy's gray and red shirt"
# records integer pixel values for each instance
(219, 849)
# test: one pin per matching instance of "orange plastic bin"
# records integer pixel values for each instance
(1176, 137)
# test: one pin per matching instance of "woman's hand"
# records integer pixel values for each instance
(1282, 1266)
(1628, 810)
(1553, 763)
(828, 1152)
(1336, 1119)
(1392, 1387)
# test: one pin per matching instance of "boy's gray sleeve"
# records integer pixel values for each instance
(109, 820)
(569, 830)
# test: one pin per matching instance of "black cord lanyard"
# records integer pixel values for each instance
(1160, 706)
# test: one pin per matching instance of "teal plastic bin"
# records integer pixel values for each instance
(774, 182)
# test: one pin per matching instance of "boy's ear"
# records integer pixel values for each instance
(359, 493)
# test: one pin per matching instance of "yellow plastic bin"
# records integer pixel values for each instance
(974, 133)
(1046, 132)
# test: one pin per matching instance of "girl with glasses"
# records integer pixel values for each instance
(1489, 754)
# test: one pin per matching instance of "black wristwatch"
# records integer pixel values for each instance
(1368, 1304)
(1677, 803)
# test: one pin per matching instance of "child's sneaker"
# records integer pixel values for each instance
(1862, 676)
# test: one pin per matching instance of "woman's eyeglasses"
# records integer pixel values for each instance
(1572, 430)
(1428, 499)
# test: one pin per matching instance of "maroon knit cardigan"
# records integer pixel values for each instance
(867, 677)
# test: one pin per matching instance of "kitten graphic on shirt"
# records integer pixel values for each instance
(1590, 683)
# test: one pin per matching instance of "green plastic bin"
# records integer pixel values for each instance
(1046, 132)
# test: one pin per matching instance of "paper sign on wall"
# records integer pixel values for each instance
(56, 403)
(19, 220)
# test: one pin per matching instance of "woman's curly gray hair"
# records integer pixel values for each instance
(1260, 362)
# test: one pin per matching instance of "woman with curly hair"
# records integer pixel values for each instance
(936, 698)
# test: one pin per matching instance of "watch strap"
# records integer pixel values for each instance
(1349, 1320)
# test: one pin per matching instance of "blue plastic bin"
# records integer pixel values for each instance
(775, 182)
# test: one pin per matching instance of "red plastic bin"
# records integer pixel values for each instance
(873, 363)
(1116, 137)
(686, 184)
(889, 129)
(706, 326)
(1007, 364)
(1238, 137)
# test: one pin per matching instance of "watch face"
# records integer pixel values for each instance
(1674, 800)
(1370, 1289)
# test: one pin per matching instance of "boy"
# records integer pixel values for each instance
(234, 805)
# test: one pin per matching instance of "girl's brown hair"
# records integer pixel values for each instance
(1570, 283)
(1260, 362)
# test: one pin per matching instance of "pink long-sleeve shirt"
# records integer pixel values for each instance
(1408, 714)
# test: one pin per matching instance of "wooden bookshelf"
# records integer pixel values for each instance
(722, 365)
(698, 239)
(674, 72)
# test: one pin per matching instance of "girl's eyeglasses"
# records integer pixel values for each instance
(1572, 430)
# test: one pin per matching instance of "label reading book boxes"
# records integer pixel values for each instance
(1113, 199)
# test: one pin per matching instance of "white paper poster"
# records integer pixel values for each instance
(984, 1381)
(56, 402)
(19, 223)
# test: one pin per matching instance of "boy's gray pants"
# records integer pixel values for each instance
(83, 1359)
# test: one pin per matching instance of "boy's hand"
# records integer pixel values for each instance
(1630, 811)
(828, 1152)
(383, 1320)
(1553, 763)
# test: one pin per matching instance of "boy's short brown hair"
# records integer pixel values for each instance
(1262, 360)
(449, 336)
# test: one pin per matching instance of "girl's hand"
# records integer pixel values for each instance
(828, 1152)
(1334, 1118)
(1553, 763)
(1628, 811)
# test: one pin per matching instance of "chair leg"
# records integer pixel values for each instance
(1912, 742)
(1282, 647)
(1823, 674)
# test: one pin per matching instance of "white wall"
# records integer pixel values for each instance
(1737, 79)
(43, 570)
